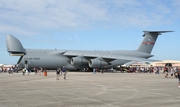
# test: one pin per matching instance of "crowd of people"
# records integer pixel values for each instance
(150, 69)
(9, 70)
(36, 70)
(169, 71)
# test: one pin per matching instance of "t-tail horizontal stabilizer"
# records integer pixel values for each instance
(149, 40)
(14, 46)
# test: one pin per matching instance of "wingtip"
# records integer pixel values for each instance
(165, 31)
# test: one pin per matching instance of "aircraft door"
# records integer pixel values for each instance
(26, 64)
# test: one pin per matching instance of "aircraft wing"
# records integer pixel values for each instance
(105, 56)
(97, 59)
(126, 58)
(130, 63)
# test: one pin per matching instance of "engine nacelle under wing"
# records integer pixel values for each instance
(78, 61)
(97, 63)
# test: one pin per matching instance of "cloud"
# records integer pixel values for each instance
(31, 17)
(143, 13)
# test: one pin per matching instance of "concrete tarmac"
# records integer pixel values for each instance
(89, 90)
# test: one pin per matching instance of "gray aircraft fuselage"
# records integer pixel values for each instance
(79, 59)
(51, 59)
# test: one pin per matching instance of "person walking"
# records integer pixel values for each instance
(28, 71)
(58, 73)
(64, 71)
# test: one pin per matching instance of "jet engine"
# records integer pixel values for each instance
(96, 63)
(78, 61)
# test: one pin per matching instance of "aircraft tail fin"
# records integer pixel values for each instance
(149, 40)
(14, 46)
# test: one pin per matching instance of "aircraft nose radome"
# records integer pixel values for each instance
(14, 45)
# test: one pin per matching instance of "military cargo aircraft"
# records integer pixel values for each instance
(78, 59)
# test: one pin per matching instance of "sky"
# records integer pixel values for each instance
(90, 25)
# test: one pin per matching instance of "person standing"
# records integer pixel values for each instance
(40, 70)
(166, 72)
(94, 70)
(158, 68)
(8, 70)
(35, 70)
(178, 78)
(24, 71)
(172, 72)
(102, 70)
(112, 69)
(176, 70)
(64, 71)
(58, 73)
(11, 70)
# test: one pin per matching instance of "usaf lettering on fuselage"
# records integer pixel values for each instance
(32, 59)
